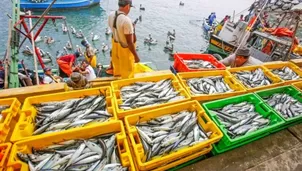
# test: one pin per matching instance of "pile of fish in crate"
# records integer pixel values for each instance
(168, 119)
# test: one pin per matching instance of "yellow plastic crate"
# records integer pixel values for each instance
(4, 154)
(10, 117)
(25, 126)
(117, 85)
(276, 81)
(228, 78)
(83, 133)
(290, 65)
(298, 85)
(138, 150)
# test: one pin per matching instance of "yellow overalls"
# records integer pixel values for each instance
(125, 58)
(114, 58)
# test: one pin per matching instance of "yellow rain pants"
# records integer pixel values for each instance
(126, 63)
(115, 59)
(92, 60)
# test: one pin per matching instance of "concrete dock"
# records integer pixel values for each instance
(281, 151)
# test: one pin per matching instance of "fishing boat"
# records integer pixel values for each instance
(59, 4)
(227, 39)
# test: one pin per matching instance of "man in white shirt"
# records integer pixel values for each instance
(88, 71)
(49, 78)
(123, 40)
(240, 59)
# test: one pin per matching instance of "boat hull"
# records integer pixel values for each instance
(217, 45)
(63, 4)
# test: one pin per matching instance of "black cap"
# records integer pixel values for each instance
(47, 69)
(125, 2)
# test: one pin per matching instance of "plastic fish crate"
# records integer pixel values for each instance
(26, 124)
(298, 85)
(4, 154)
(290, 65)
(9, 118)
(290, 90)
(163, 162)
(276, 80)
(227, 143)
(117, 85)
(228, 78)
(26, 146)
(180, 66)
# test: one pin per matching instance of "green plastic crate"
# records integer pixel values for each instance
(227, 143)
(290, 90)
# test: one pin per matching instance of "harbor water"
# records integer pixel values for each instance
(158, 18)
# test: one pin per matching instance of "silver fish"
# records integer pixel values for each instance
(240, 119)
(198, 64)
(208, 85)
(252, 79)
(72, 113)
(285, 104)
(86, 155)
(162, 135)
(147, 94)
(286, 73)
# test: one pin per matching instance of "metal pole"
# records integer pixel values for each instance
(8, 48)
(294, 36)
(233, 16)
(34, 51)
(44, 13)
(69, 35)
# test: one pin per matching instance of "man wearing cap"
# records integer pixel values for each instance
(77, 81)
(124, 53)
(240, 58)
(89, 53)
(49, 78)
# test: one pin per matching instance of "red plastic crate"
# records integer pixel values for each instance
(180, 66)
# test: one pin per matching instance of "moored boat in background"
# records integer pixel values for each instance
(59, 4)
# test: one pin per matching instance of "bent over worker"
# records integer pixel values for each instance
(66, 64)
(123, 33)
(240, 58)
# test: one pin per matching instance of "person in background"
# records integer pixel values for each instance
(49, 78)
(88, 71)
(77, 81)
(241, 18)
(212, 18)
(89, 53)
(2, 75)
(240, 58)
(66, 64)
(124, 30)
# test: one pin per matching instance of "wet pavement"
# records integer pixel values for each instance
(280, 151)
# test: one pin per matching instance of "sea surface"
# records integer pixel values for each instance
(159, 17)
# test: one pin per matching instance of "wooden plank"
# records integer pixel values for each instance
(146, 74)
(22, 93)
(105, 79)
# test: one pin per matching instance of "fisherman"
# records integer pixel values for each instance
(212, 18)
(89, 53)
(66, 64)
(241, 58)
(88, 71)
(49, 78)
(77, 81)
(124, 53)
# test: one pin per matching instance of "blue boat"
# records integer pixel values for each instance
(59, 4)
